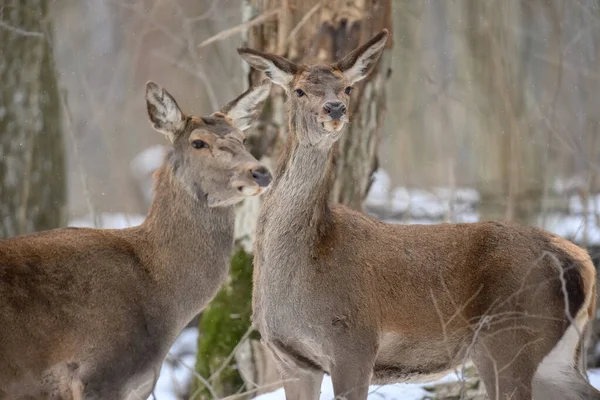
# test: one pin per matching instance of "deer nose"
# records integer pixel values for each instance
(335, 109)
(261, 176)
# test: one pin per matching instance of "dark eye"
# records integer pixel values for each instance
(244, 141)
(300, 92)
(348, 90)
(199, 144)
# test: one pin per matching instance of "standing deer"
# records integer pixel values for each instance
(339, 292)
(91, 313)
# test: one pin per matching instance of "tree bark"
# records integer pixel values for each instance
(32, 183)
(511, 177)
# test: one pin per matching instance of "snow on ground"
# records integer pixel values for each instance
(176, 371)
(399, 391)
(573, 227)
(109, 221)
(441, 204)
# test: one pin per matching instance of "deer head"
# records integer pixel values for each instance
(208, 155)
(319, 94)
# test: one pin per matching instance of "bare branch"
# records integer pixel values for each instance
(207, 14)
(303, 21)
(240, 28)
(208, 386)
(20, 31)
(225, 362)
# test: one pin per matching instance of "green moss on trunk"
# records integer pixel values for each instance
(32, 159)
(223, 324)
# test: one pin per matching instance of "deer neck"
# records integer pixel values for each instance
(191, 243)
(299, 197)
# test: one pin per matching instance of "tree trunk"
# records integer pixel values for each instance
(32, 184)
(311, 31)
(511, 177)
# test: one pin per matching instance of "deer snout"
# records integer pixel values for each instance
(261, 176)
(335, 109)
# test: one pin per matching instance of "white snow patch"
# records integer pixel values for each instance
(573, 227)
(143, 166)
(379, 192)
(435, 203)
(399, 391)
(594, 377)
(176, 372)
(109, 221)
(576, 205)
(148, 160)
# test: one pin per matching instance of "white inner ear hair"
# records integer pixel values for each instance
(360, 69)
(246, 109)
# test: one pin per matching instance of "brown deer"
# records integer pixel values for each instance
(91, 313)
(339, 292)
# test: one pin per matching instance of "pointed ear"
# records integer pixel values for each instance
(165, 115)
(280, 70)
(358, 64)
(244, 110)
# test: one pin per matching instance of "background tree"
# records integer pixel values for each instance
(32, 166)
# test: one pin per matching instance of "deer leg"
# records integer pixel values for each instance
(506, 363)
(301, 384)
(351, 374)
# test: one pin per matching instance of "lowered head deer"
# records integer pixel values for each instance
(91, 313)
(339, 292)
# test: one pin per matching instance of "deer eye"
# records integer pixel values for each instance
(244, 141)
(199, 144)
(300, 92)
(348, 90)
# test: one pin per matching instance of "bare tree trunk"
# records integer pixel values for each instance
(32, 184)
(510, 179)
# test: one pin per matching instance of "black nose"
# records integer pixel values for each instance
(261, 176)
(335, 109)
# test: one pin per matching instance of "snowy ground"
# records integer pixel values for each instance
(397, 391)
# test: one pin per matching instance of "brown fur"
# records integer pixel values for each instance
(91, 313)
(337, 291)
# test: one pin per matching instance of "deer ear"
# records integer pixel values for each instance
(280, 70)
(165, 115)
(245, 109)
(358, 64)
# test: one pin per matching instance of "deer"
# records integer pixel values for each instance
(339, 292)
(91, 313)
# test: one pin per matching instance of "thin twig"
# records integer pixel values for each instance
(140, 12)
(74, 139)
(225, 363)
(198, 65)
(22, 213)
(202, 380)
(240, 28)
(303, 21)
(207, 14)
(20, 31)
(283, 26)
(243, 394)
(78, 160)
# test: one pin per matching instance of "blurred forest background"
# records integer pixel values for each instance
(480, 109)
